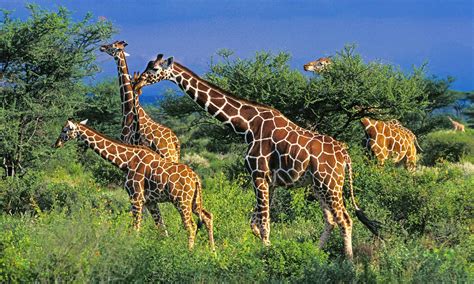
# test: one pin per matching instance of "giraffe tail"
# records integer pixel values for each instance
(372, 225)
(418, 145)
(198, 201)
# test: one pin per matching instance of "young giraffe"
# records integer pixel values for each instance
(386, 139)
(150, 178)
(456, 125)
(280, 153)
(158, 137)
(317, 66)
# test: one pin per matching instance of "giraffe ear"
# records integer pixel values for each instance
(168, 62)
(83, 122)
(124, 43)
(126, 54)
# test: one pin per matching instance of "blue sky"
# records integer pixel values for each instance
(404, 33)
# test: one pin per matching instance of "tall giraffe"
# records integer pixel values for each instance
(150, 178)
(280, 153)
(158, 137)
(456, 125)
(390, 139)
(318, 65)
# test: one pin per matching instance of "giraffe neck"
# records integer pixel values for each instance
(238, 113)
(129, 117)
(107, 148)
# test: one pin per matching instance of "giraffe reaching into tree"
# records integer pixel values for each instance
(390, 139)
(317, 66)
(456, 125)
(150, 178)
(280, 153)
(158, 137)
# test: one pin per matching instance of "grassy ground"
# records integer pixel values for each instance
(73, 229)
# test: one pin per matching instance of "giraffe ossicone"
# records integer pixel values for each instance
(150, 179)
(280, 153)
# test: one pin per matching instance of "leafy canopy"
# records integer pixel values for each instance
(43, 60)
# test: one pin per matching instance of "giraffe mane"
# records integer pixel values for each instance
(113, 140)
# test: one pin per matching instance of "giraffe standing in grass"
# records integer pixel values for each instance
(280, 153)
(158, 137)
(150, 178)
(456, 125)
(390, 139)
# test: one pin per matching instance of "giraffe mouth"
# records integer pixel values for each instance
(58, 143)
(137, 87)
(102, 48)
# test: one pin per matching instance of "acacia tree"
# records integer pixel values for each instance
(331, 103)
(43, 60)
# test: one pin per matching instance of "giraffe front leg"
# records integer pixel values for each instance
(135, 191)
(154, 210)
(254, 223)
(263, 208)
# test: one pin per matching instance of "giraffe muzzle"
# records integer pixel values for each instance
(58, 144)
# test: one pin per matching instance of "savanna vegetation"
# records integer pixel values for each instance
(65, 216)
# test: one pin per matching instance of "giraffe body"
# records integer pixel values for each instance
(456, 125)
(150, 179)
(138, 128)
(390, 140)
(279, 151)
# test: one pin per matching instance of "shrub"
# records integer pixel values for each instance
(450, 146)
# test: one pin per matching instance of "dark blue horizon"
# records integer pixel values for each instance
(403, 33)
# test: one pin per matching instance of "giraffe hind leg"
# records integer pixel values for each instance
(204, 216)
(154, 210)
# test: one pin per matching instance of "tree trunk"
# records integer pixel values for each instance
(8, 166)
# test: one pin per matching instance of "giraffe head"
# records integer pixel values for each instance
(317, 66)
(156, 70)
(115, 48)
(69, 132)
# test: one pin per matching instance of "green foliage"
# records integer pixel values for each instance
(331, 103)
(102, 108)
(88, 237)
(42, 61)
(469, 112)
(448, 145)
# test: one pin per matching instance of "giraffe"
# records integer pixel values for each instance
(158, 137)
(390, 138)
(456, 125)
(317, 66)
(150, 178)
(280, 153)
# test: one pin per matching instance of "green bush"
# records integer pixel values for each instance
(450, 146)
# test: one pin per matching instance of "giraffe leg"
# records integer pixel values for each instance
(345, 224)
(154, 210)
(255, 223)
(135, 190)
(263, 208)
(188, 222)
(205, 216)
(328, 225)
